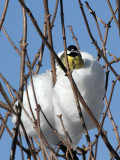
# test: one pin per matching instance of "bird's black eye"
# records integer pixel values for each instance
(72, 47)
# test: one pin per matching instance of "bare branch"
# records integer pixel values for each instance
(4, 13)
(73, 36)
(4, 123)
(118, 6)
(47, 17)
(22, 70)
(109, 4)
(55, 12)
(5, 106)
(2, 127)
(8, 37)
(6, 98)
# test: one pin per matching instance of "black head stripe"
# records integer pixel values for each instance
(72, 47)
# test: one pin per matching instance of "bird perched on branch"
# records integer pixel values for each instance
(88, 75)
(59, 101)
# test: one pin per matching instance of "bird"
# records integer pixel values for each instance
(58, 100)
(89, 77)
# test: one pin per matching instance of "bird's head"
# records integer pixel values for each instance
(74, 58)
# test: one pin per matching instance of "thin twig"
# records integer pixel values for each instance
(14, 46)
(28, 99)
(118, 6)
(98, 28)
(107, 26)
(6, 106)
(37, 125)
(31, 152)
(4, 123)
(41, 50)
(4, 13)
(96, 149)
(73, 36)
(107, 108)
(8, 86)
(68, 139)
(6, 98)
(2, 127)
(22, 156)
(90, 152)
(10, 40)
(113, 61)
(47, 17)
(55, 12)
(22, 70)
(109, 4)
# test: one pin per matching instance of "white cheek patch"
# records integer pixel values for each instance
(69, 52)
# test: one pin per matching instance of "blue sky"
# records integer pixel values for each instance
(10, 61)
